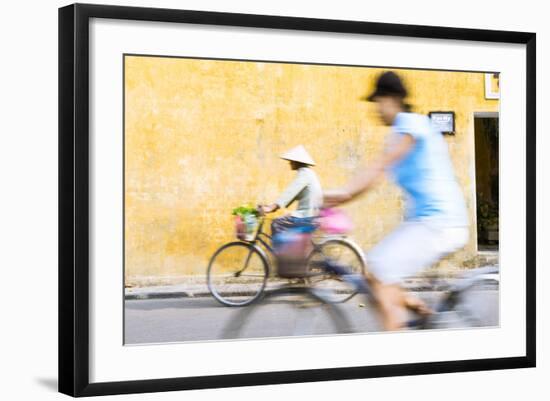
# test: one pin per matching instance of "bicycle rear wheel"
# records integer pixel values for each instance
(237, 274)
(342, 252)
(472, 305)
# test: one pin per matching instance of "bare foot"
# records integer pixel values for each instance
(417, 305)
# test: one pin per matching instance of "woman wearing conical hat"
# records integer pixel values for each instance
(305, 189)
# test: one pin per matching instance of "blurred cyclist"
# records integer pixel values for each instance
(436, 221)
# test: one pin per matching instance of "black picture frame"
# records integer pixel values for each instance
(74, 191)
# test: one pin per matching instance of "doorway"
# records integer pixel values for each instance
(486, 130)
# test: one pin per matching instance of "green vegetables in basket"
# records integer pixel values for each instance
(244, 210)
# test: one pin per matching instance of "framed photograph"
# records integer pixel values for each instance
(253, 199)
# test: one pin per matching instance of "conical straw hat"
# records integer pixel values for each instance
(298, 154)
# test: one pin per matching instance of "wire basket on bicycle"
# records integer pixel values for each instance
(246, 222)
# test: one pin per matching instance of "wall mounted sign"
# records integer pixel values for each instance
(444, 121)
(492, 90)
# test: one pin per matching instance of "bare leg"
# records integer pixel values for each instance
(393, 301)
(390, 302)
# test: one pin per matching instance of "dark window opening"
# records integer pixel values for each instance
(487, 181)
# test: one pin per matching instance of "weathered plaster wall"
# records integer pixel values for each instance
(203, 136)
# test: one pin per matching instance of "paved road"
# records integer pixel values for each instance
(200, 319)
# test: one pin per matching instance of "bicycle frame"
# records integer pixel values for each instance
(258, 238)
(260, 235)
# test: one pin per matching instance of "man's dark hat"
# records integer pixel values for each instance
(388, 83)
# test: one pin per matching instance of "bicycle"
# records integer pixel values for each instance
(238, 271)
(458, 298)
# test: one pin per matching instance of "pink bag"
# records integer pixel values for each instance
(335, 221)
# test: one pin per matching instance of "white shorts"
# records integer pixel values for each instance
(412, 247)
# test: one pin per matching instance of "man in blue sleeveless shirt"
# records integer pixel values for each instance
(436, 220)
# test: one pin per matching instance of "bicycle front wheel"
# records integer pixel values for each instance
(237, 274)
(342, 252)
(285, 312)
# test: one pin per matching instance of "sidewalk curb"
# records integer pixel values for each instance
(165, 295)
(419, 285)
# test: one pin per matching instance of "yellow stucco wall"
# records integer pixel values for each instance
(202, 137)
